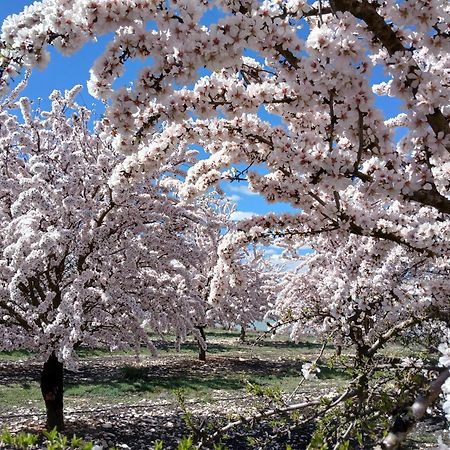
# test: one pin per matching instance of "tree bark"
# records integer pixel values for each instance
(52, 384)
(242, 334)
(201, 350)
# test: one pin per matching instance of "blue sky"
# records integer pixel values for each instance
(64, 72)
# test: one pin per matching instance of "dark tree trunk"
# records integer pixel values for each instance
(338, 350)
(52, 382)
(242, 334)
(201, 350)
(363, 383)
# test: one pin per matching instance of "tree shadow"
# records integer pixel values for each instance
(278, 345)
(193, 346)
(140, 379)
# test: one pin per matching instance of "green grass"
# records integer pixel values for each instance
(19, 395)
(278, 363)
(136, 384)
(152, 388)
(14, 355)
(125, 391)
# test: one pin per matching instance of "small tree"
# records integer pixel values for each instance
(242, 293)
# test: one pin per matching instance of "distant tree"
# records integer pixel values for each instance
(242, 297)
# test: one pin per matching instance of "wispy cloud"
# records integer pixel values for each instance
(288, 264)
(242, 215)
(241, 189)
(234, 197)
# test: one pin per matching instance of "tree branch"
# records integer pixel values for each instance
(384, 33)
(404, 423)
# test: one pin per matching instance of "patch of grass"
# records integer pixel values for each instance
(333, 377)
(163, 347)
(286, 384)
(333, 373)
(19, 395)
(85, 352)
(137, 385)
(138, 382)
(192, 348)
(14, 355)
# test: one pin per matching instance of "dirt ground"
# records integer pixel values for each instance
(136, 405)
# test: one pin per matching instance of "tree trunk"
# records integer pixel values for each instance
(201, 350)
(52, 382)
(242, 334)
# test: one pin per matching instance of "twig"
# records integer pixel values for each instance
(292, 394)
(344, 436)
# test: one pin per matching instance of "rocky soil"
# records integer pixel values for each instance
(136, 424)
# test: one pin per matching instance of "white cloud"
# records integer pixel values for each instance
(241, 189)
(271, 249)
(288, 264)
(234, 198)
(242, 215)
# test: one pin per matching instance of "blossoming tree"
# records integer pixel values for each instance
(244, 292)
(353, 291)
(361, 294)
(333, 156)
(79, 262)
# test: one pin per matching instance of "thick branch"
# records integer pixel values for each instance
(431, 198)
(384, 33)
(394, 331)
(288, 56)
(23, 323)
(375, 23)
(378, 233)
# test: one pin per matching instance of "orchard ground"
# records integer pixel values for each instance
(124, 401)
